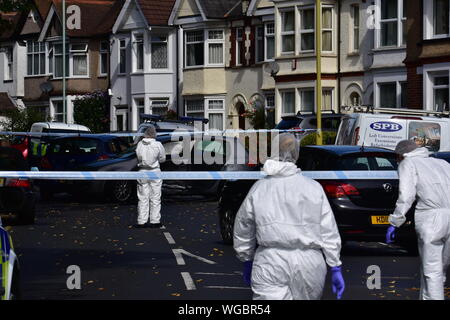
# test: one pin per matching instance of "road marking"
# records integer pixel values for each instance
(218, 274)
(179, 256)
(169, 238)
(223, 287)
(190, 285)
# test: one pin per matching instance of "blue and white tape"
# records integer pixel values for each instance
(189, 175)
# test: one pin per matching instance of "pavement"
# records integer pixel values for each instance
(186, 260)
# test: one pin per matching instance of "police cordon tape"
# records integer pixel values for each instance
(176, 133)
(188, 175)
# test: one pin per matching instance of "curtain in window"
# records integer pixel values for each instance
(289, 21)
(388, 95)
(308, 100)
(327, 23)
(327, 99)
(159, 55)
(80, 65)
(288, 102)
(215, 121)
(194, 54)
(215, 53)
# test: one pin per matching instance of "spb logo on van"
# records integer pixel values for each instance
(386, 126)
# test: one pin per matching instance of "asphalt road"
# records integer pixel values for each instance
(186, 260)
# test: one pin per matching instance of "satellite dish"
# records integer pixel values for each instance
(272, 68)
(46, 87)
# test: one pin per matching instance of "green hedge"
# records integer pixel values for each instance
(311, 140)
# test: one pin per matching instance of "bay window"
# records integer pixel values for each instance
(79, 59)
(138, 52)
(288, 31)
(215, 114)
(35, 58)
(195, 51)
(195, 108)
(215, 47)
(159, 106)
(122, 56)
(204, 43)
(159, 49)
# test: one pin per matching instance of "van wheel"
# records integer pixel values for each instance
(226, 223)
(120, 191)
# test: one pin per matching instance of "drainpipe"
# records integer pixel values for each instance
(339, 54)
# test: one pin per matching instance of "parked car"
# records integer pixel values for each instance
(68, 153)
(198, 146)
(305, 121)
(361, 207)
(442, 155)
(9, 268)
(16, 195)
(386, 130)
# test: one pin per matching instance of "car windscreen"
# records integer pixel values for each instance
(79, 146)
(12, 160)
(370, 162)
(288, 123)
(330, 123)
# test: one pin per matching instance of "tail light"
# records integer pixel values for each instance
(356, 136)
(298, 129)
(45, 164)
(103, 157)
(338, 189)
(18, 183)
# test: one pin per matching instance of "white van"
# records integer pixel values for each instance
(58, 127)
(386, 130)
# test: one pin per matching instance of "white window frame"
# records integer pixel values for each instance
(167, 42)
(73, 53)
(186, 43)
(119, 61)
(300, 92)
(102, 52)
(9, 63)
(153, 101)
(429, 72)
(331, 7)
(355, 28)
(209, 110)
(209, 41)
(429, 21)
(399, 20)
(32, 54)
(50, 53)
(398, 79)
(53, 109)
(268, 35)
(282, 93)
(189, 113)
(306, 31)
(331, 89)
(283, 33)
(134, 47)
(260, 38)
(239, 45)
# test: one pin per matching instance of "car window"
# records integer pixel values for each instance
(82, 146)
(346, 131)
(385, 164)
(120, 146)
(12, 160)
(288, 124)
(367, 163)
(312, 162)
(327, 123)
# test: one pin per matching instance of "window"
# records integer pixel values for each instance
(159, 106)
(260, 44)
(104, 57)
(194, 48)
(265, 42)
(355, 99)
(392, 23)
(215, 47)
(59, 114)
(122, 56)
(140, 109)
(35, 58)
(79, 57)
(388, 95)
(327, 99)
(288, 102)
(216, 119)
(425, 134)
(138, 50)
(239, 45)
(195, 108)
(441, 17)
(403, 94)
(159, 52)
(440, 92)
(9, 63)
(307, 27)
(58, 61)
(307, 100)
(270, 41)
(327, 29)
(355, 27)
(288, 31)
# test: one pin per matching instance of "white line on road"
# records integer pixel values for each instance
(179, 256)
(190, 285)
(169, 238)
(218, 274)
(222, 287)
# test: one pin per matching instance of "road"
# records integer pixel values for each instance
(186, 260)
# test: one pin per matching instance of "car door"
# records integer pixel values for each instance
(177, 159)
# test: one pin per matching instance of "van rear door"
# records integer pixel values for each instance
(382, 132)
(427, 133)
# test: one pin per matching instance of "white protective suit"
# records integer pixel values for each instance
(427, 180)
(289, 217)
(150, 153)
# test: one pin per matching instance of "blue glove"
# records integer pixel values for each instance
(337, 282)
(248, 265)
(390, 234)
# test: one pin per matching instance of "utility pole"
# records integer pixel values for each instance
(64, 61)
(319, 71)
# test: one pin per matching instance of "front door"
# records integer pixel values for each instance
(122, 120)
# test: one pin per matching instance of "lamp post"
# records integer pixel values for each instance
(64, 60)
(319, 71)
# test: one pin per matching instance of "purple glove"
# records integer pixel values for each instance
(248, 265)
(390, 234)
(337, 282)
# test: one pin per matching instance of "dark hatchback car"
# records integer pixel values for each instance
(301, 122)
(17, 197)
(68, 153)
(361, 207)
(198, 146)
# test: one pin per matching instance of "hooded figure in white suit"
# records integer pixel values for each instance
(426, 180)
(287, 227)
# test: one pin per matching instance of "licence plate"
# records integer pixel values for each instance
(2, 182)
(380, 219)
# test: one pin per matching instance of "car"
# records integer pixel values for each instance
(9, 268)
(361, 207)
(17, 196)
(385, 129)
(306, 121)
(198, 146)
(68, 153)
(442, 155)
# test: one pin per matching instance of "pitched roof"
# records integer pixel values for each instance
(6, 103)
(157, 12)
(15, 20)
(220, 9)
(97, 16)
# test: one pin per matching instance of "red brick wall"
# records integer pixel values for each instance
(415, 88)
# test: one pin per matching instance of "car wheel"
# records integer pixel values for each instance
(226, 225)
(15, 293)
(27, 216)
(121, 191)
